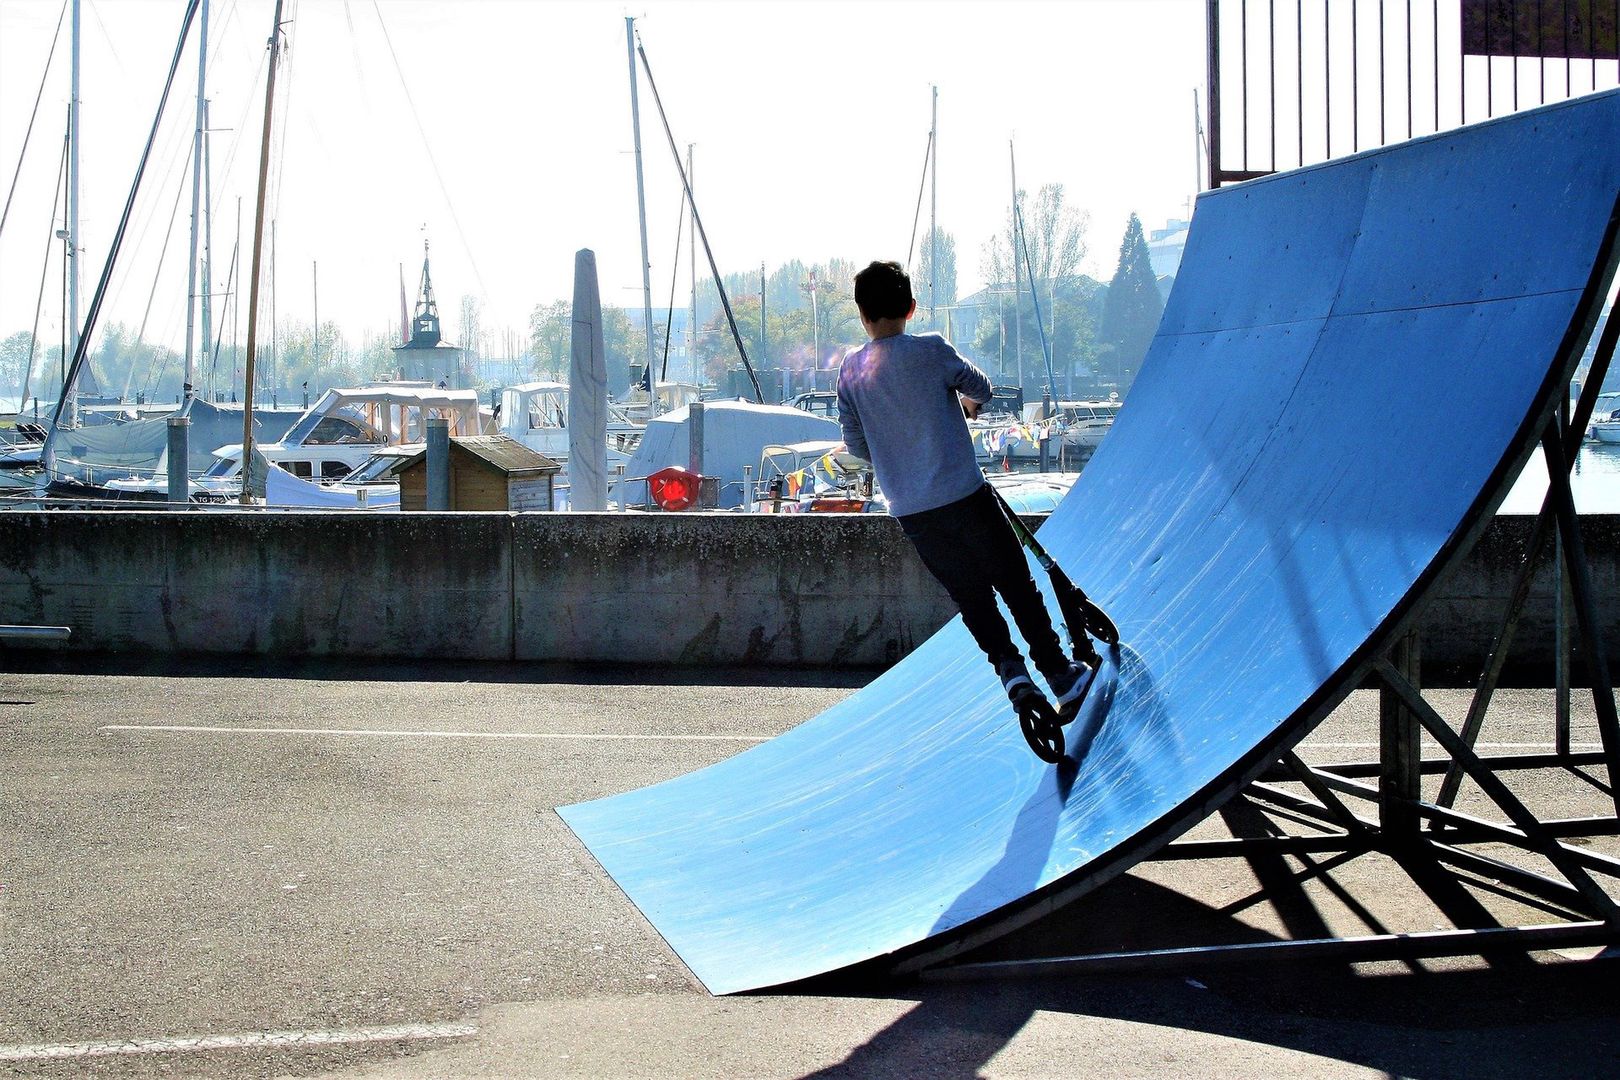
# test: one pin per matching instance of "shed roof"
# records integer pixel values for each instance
(500, 452)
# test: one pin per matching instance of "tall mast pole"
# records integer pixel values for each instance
(641, 207)
(188, 386)
(246, 497)
(208, 243)
(692, 327)
(1198, 145)
(236, 300)
(75, 120)
(1018, 285)
(933, 217)
(315, 338)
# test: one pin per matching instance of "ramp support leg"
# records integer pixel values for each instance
(1400, 753)
(1597, 659)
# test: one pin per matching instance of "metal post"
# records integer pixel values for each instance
(208, 255)
(1597, 658)
(179, 474)
(1212, 32)
(748, 489)
(641, 205)
(315, 336)
(933, 215)
(75, 127)
(189, 384)
(438, 463)
(258, 249)
(694, 434)
(1400, 755)
(1018, 322)
(1561, 602)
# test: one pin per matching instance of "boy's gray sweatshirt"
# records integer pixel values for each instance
(898, 407)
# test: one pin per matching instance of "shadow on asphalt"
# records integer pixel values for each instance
(1519, 1019)
(1504, 1016)
(325, 669)
(1550, 1021)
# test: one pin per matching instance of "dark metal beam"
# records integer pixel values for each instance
(1434, 766)
(1435, 943)
(1580, 573)
(1537, 837)
(1244, 846)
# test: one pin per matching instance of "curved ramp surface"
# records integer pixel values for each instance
(1354, 358)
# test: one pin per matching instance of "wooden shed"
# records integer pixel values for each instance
(487, 472)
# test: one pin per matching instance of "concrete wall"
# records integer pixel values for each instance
(650, 589)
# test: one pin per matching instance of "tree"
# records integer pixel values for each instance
(15, 352)
(929, 284)
(472, 332)
(1132, 308)
(551, 329)
(625, 344)
(1048, 256)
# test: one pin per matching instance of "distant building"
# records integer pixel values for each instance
(425, 356)
(1165, 247)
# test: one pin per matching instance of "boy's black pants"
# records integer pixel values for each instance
(974, 553)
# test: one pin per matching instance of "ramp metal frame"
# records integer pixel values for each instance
(1404, 824)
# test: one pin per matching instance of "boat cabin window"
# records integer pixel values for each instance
(300, 469)
(225, 466)
(334, 430)
(374, 469)
(334, 470)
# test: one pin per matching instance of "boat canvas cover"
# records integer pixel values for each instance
(734, 435)
(142, 446)
(587, 399)
(282, 488)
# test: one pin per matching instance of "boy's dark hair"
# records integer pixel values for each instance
(883, 291)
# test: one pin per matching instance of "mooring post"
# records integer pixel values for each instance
(1400, 751)
(438, 463)
(179, 474)
(694, 432)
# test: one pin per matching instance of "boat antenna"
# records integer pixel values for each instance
(697, 221)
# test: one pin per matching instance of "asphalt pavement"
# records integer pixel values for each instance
(301, 869)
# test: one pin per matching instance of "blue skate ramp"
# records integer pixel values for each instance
(1355, 357)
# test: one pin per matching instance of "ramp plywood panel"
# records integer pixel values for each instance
(1354, 358)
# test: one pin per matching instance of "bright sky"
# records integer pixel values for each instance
(509, 138)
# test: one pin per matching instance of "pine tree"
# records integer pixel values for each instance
(1131, 310)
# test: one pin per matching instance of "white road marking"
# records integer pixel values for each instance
(245, 1040)
(392, 733)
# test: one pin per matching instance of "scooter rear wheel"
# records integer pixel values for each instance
(1042, 730)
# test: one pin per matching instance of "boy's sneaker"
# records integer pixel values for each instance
(1069, 687)
(1014, 678)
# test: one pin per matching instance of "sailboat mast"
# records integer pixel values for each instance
(641, 207)
(196, 205)
(207, 295)
(315, 338)
(75, 119)
(933, 217)
(692, 325)
(246, 497)
(1018, 283)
